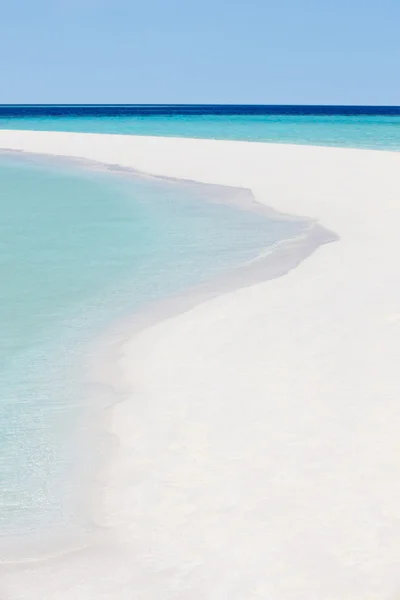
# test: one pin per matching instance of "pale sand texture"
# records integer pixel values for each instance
(260, 453)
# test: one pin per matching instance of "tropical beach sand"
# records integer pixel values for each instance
(259, 453)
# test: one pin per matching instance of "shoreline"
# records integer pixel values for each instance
(105, 379)
(309, 460)
(104, 372)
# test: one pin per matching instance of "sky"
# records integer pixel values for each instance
(210, 51)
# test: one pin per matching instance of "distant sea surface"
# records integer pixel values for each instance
(374, 127)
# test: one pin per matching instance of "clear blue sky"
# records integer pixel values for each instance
(210, 51)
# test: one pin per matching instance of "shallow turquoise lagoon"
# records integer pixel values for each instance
(78, 248)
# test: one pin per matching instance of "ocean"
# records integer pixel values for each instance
(81, 247)
(345, 126)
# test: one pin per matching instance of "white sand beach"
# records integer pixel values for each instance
(259, 455)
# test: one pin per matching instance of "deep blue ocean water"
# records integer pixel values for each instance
(350, 126)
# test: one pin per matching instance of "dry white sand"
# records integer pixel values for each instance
(260, 454)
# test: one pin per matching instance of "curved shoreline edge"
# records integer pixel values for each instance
(282, 472)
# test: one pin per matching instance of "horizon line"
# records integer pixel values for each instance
(206, 104)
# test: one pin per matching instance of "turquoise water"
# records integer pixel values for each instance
(77, 249)
(376, 131)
